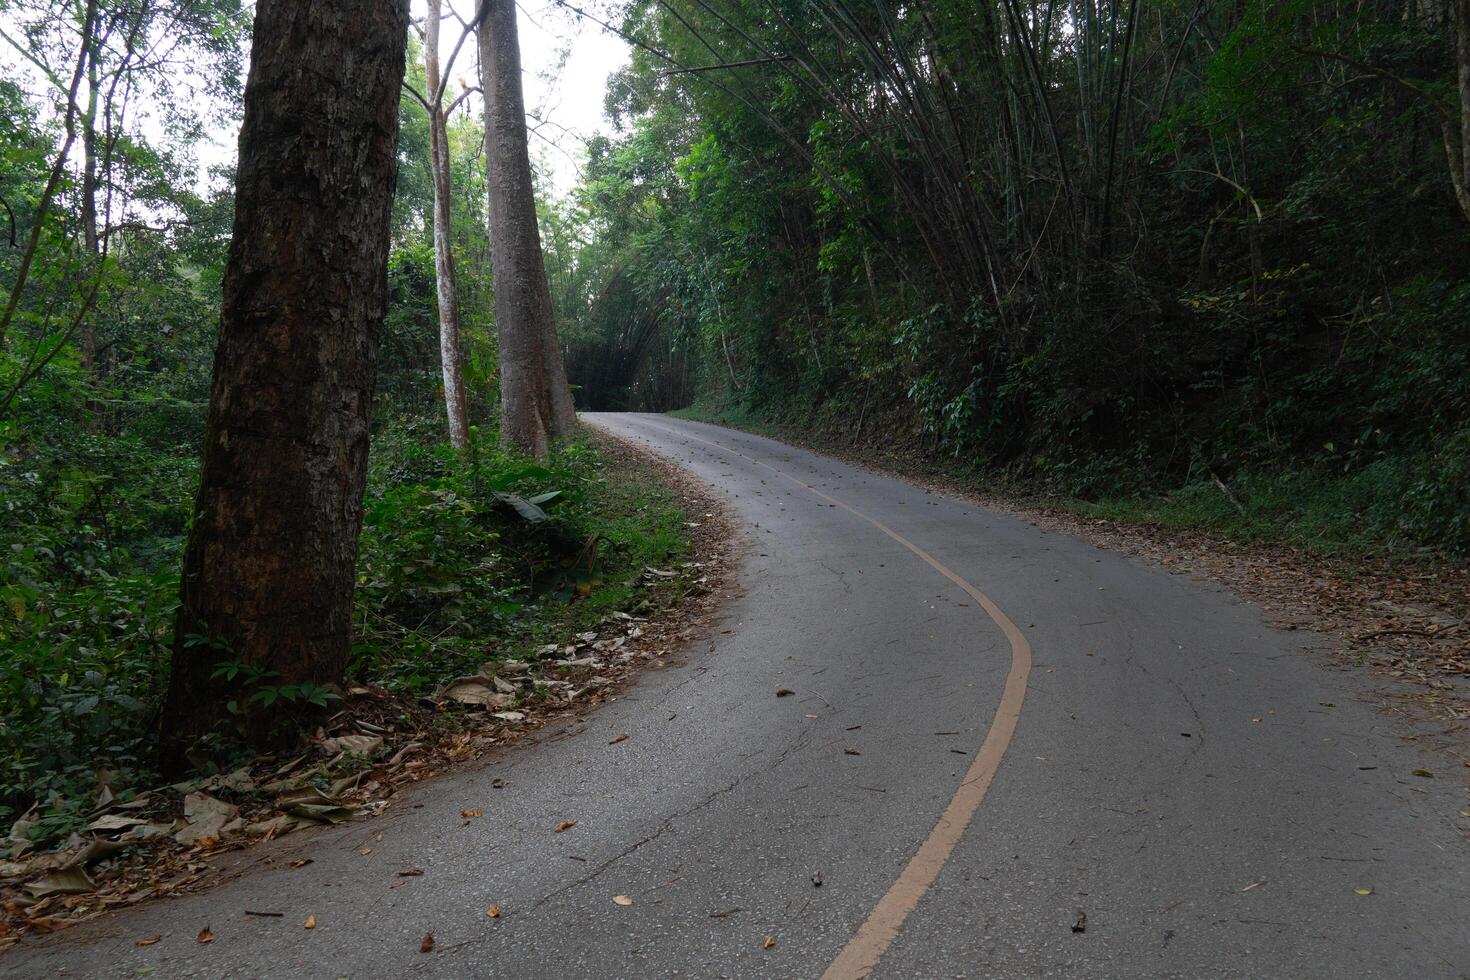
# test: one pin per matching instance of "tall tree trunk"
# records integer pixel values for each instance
(58, 168)
(1460, 177)
(90, 239)
(536, 402)
(444, 277)
(269, 566)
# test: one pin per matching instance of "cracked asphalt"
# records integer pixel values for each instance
(1210, 796)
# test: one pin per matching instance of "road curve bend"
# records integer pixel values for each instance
(1006, 754)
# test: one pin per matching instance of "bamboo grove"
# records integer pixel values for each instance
(1102, 246)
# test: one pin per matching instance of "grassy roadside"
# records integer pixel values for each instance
(456, 570)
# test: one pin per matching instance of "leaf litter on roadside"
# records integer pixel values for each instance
(137, 846)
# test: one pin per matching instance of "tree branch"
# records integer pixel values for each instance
(460, 98)
(84, 51)
(417, 97)
(731, 64)
(6, 205)
(1383, 73)
(1219, 176)
(449, 65)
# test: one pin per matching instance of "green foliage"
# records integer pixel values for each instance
(89, 552)
(453, 571)
(449, 576)
(1219, 241)
(257, 687)
(104, 384)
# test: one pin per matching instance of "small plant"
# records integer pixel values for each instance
(256, 689)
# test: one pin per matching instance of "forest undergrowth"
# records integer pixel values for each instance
(464, 561)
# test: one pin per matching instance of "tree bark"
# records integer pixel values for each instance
(58, 168)
(90, 239)
(536, 402)
(269, 566)
(444, 275)
(1460, 177)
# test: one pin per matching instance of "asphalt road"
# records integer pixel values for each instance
(1210, 797)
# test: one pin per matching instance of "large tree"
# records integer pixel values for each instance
(268, 569)
(536, 402)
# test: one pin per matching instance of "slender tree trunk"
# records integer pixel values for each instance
(1460, 177)
(90, 239)
(269, 566)
(58, 168)
(444, 276)
(536, 402)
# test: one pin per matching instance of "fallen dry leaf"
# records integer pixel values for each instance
(365, 745)
(622, 900)
(770, 941)
(1363, 891)
(410, 872)
(115, 822)
(1254, 884)
(851, 752)
(205, 936)
(784, 692)
(311, 922)
(1081, 924)
(493, 912)
(64, 881)
(149, 941)
(616, 739)
(207, 819)
(472, 690)
(470, 814)
(427, 946)
(302, 862)
(565, 825)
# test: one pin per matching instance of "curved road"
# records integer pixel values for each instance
(993, 729)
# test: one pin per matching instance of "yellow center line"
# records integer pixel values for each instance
(876, 934)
